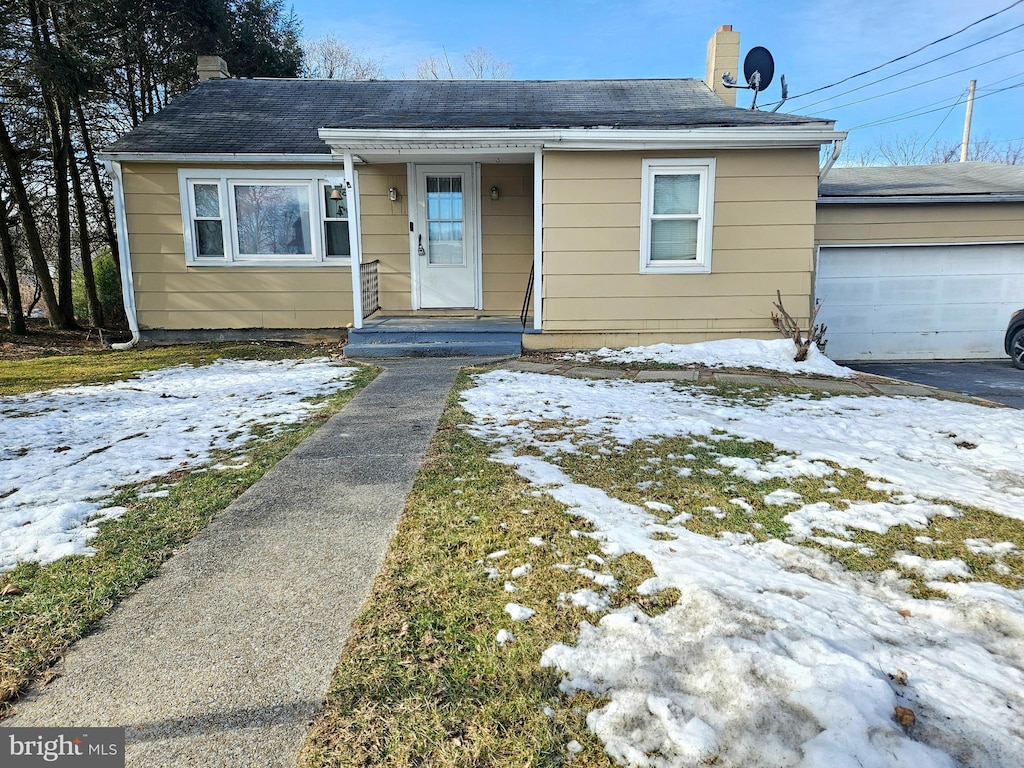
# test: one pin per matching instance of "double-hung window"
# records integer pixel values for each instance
(676, 210)
(265, 217)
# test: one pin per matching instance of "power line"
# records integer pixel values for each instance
(923, 82)
(943, 120)
(907, 115)
(917, 66)
(907, 55)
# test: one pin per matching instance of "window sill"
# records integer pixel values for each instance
(675, 268)
(261, 264)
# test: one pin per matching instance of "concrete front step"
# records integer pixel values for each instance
(427, 348)
(436, 337)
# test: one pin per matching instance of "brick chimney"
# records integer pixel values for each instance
(723, 56)
(211, 68)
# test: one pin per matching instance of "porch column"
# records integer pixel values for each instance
(355, 241)
(538, 235)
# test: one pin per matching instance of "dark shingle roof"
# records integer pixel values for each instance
(944, 179)
(282, 116)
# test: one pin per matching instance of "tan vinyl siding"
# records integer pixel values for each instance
(506, 225)
(385, 231)
(506, 234)
(892, 223)
(171, 295)
(762, 241)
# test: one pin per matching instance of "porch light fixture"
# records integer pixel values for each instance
(494, 193)
(393, 194)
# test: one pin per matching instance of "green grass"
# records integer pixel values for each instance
(61, 601)
(422, 681)
(642, 472)
(21, 376)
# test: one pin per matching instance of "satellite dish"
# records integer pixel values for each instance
(758, 69)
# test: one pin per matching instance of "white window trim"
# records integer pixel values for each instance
(704, 167)
(312, 179)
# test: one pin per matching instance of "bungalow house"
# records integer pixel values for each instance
(602, 212)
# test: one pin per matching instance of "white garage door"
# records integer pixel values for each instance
(918, 302)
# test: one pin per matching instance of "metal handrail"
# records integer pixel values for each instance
(370, 287)
(526, 299)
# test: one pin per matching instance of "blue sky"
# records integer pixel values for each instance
(814, 43)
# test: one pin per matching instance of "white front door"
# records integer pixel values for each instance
(445, 237)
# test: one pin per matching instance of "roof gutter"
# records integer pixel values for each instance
(216, 157)
(127, 280)
(904, 199)
(837, 147)
(355, 139)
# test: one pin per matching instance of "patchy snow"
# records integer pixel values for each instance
(504, 636)
(64, 451)
(933, 570)
(908, 444)
(774, 355)
(877, 517)
(774, 655)
(518, 612)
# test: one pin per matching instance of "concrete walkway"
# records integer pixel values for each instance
(226, 657)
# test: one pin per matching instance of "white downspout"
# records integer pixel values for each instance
(837, 147)
(538, 235)
(125, 256)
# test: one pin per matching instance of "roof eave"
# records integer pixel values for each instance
(804, 135)
(912, 199)
(240, 158)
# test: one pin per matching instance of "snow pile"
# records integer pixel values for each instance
(773, 655)
(775, 355)
(65, 451)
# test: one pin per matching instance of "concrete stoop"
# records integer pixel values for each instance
(436, 337)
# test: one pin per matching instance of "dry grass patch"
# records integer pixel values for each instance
(423, 681)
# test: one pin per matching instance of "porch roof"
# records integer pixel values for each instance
(282, 117)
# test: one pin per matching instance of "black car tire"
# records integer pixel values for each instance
(1017, 349)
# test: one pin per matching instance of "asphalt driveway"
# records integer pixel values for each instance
(995, 380)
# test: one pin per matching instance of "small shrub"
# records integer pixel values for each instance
(108, 288)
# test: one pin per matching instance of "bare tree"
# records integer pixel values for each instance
(328, 58)
(477, 64)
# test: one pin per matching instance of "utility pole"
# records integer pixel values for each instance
(967, 122)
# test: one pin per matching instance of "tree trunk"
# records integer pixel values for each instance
(28, 224)
(91, 298)
(97, 183)
(12, 288)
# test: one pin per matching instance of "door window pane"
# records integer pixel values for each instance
(272, 219)
(673, 239)
(676, 194)
(445, 220)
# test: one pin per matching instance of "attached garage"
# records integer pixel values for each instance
(920, 262)
(918, 302)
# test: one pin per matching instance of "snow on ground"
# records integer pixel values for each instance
(775, 355)
(64, 452)
(774, 655)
